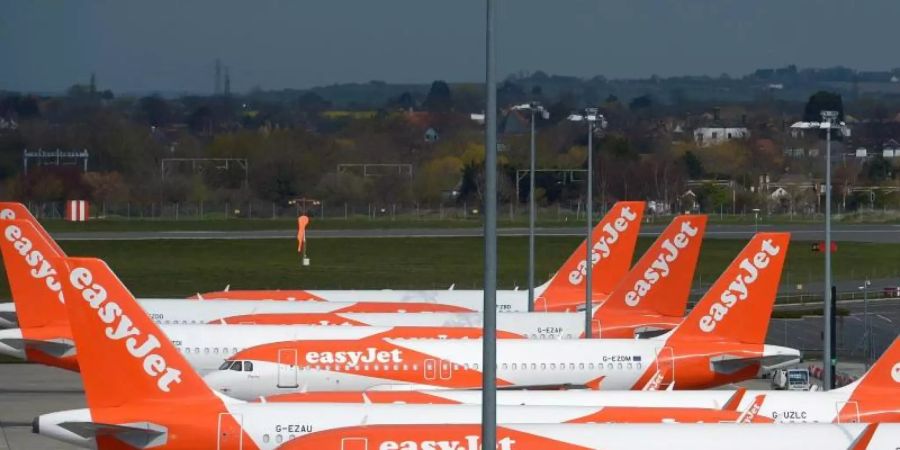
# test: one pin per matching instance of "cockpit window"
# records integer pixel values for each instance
(236, 366)
(248, 366)
(225, 365)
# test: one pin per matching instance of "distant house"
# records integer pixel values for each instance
(514, 122)
(713, 130)
(890, 149)
(431, 135)
(714, 135)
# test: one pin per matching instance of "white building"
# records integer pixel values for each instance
(707, 136)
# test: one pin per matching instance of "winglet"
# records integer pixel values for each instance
(735, 400)
(123, 355)
(749, 415)
(33, 274)
(613, 240)
(739, 304)
(660, 282)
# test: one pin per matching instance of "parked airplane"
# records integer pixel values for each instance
(45, 335)
(614, 241)
(141, 392)
(720, 341)
(605, 437)
(872, 398)
(649, 300)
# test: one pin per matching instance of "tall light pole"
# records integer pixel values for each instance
(535, 108)
(489, 332)
(828, 123)
(868, 334)
(593, 118)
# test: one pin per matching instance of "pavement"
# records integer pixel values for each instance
(882, 233)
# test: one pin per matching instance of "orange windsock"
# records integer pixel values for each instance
(302, 222)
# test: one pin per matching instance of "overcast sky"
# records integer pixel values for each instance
(170, 45)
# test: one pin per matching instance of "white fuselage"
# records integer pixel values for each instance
(416, 363)
(781, 406)
(271, 425)
(535, 325)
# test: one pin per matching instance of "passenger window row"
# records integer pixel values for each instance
(474, 366)
(208, 350)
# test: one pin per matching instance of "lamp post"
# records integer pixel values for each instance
(535, 109)
(489, 323)
(868, 333)
(593, 118)
(828, 123)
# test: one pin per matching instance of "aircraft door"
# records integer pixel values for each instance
(446, 370)
(230, 429)
(287, 368)
(430, 368)
(352, 443)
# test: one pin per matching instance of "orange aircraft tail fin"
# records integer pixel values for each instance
(881, 381)
(660, 282)
(34, 277)
(123, 355)
(16, 210)
(739, 304)
(613, 240)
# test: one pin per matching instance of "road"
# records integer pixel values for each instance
(888, 233)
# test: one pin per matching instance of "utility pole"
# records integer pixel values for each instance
(489, 332)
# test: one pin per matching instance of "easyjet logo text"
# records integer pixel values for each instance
(738, 290)
(603, 247)
(40, 267)
(660, 268)
(368, 356)
(470, 442)
(121, 328)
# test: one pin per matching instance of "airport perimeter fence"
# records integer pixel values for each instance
(559, 214)
(320, 210)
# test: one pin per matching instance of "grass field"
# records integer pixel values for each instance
(181, 268)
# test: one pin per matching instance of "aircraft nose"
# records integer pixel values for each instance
(219, 381)
(11, 343)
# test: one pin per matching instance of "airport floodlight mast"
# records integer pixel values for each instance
(594, 119)
(829, 122)
(199, 165)
(536, 109)
(489, 323)
(55, 158)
